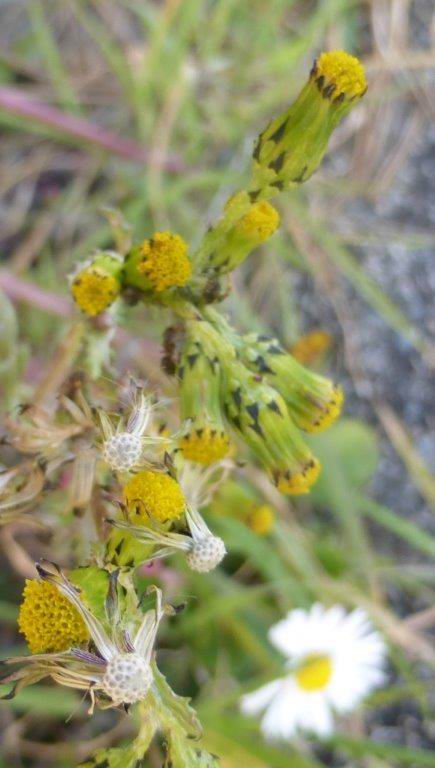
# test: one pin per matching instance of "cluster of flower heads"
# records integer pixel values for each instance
(156, 481)
(248, 385)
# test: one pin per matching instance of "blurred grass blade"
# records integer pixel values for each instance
(400, 526)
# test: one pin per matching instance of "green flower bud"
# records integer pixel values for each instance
(258, 223)
(204, 437)
(123, 550)
(97, 283)
(259, 415)
(314, 402)
(292, 146)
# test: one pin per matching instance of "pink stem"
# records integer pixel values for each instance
(20, 103)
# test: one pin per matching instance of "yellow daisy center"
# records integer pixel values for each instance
(154, 494)
(295, 483)
(261, 519)
(164, 261)
(205, 445)
(314, 673)
(48, 621)
(339, 75)
(94, 290)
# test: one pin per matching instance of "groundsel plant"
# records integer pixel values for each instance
(137, 489)
(117, 672)
(203, 550)
(333, 660)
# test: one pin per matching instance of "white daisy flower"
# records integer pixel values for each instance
(334, 660)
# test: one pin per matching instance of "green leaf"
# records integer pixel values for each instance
(180, 753)
(174, 712)
(118, 757)
(94, 582)
(354, 447)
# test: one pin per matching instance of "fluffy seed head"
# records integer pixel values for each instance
(154, 494)
(94, 290)
(48, 620)
(344, 72)
(298, 482)
(206, 554)
(205, 445)
(122, 451)
(164, 261)
(127, 678)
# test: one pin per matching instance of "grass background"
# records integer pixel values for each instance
(153, 107)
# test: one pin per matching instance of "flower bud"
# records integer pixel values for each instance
(204, 438)
(253, 228)
(97, 283)
(311, 348)
(261, 519)
(260, 416)
(292, 146)
(158, 264)
(313, 401)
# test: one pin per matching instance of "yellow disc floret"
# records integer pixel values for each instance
(47, 619)
(94, 290)
(340, 75)
(261, 519)
(314, 673)
(331, 411)
(296, 483)
(205, 445)
(259, 223)
(154, 494)
(164, 261)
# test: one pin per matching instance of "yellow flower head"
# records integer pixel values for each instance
(164, 261)
(260, 221)
(48, 620)
(310, 347)
(261, 519)
(154, 494)
(339, 76)
(295, 483)
(94, 290)
(330, 412)
(205, 445)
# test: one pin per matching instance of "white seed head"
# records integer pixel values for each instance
(127, 678)
(206, 553)
(122, 451)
